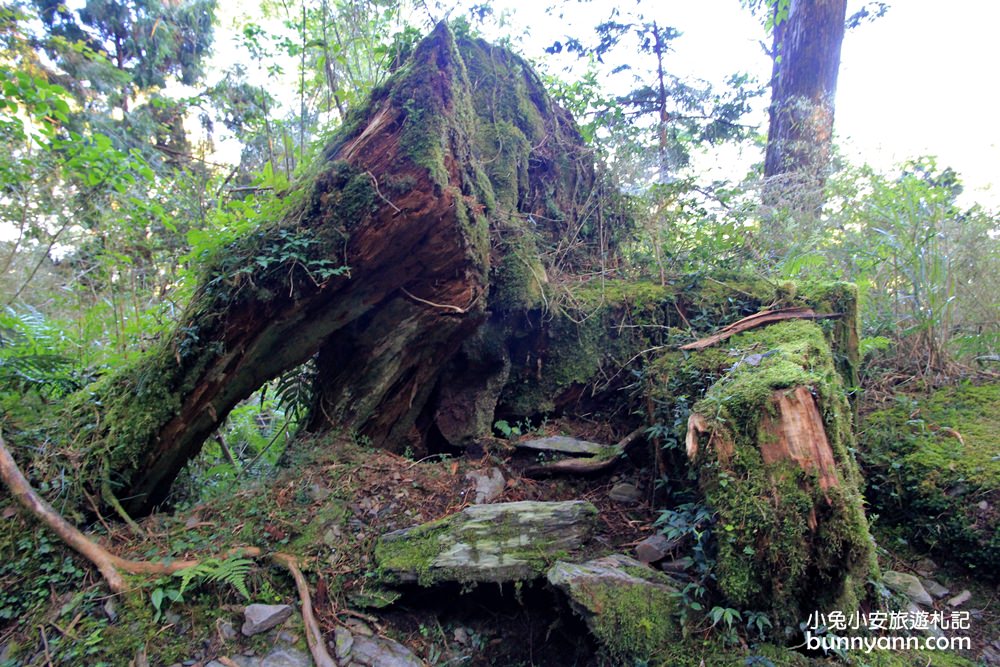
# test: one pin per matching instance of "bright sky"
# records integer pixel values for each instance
(917, 81)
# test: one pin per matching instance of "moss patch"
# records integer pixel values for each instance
(938, 492)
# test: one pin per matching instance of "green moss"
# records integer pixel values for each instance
(941, 494)
(769, 555)
(413, 553)
(635, 621)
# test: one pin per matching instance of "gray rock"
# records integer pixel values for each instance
(382, 652)
(563, 445)
(263, 617)
(926, 567)
(489, 484)
(908, 585)
(343, 640)
(227, 630)
(286, 657)
(486, 543)
(358, 627)
(934, 588)
(960, 599)
(653, 548)
(625, 493)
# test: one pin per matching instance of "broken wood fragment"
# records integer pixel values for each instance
(758, 320)
(587, 465)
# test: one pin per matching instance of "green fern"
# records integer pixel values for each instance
(29, 356)
(232, 571)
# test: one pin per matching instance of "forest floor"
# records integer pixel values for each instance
(330, 503)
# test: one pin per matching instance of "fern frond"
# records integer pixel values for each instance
(233, 571)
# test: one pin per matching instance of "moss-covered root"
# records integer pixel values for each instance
(773, 440)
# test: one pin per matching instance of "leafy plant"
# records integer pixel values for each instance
(232, 571)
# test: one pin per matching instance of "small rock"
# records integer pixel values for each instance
(332, 536)
(934, 588)
(172, 617)
(263, 617)
(109, 610)
(926, 567)
(908, 585)
(461, 635)
(286, 657)
(382, 652)
(960, 599)
(625, 493)
(983, 505)
(343, 640)
(286, 637)
(227, 630)
(489, 484)
(653, 548)
(358, 627)
(319, 492)
(678, 565)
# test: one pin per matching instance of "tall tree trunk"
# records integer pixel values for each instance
(806, 57)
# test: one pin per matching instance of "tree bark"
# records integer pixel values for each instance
(806, 57)
(424, 197)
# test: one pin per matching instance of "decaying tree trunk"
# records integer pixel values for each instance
(420, 266)
(458, 172)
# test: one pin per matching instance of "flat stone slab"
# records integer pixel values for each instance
(562, 444)
(627, 606)
(486, 543)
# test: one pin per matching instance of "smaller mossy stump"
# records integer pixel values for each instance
(486, 543)
(630, 608)
(772, 441)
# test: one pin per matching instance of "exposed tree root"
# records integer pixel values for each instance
(758, 320)
(111, 566)
(314, 636)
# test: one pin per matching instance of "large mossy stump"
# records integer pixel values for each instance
(772, 441)
(486, 543)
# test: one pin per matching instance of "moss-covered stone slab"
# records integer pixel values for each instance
(627, 606)
(486, 543)
(561, 444)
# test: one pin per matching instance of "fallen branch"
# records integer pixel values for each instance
(587, 465)
(109, 565)
(314, 636)
(758, 320)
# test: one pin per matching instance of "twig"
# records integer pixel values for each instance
(758, 320)
(379, 193)
(443, 306)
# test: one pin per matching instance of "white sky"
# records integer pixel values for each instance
(918, 81)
